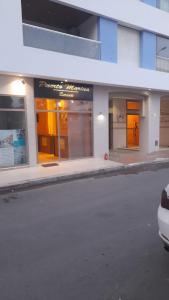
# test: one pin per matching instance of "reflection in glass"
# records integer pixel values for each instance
(7, 102)
(75, 135)
(162, 47)
(63, 105)
(75, 105)
(80, 139)
(12, 120)
(13, 149)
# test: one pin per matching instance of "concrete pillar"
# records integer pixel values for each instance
(144, 127)
(154, 122)
(100, 127)
(12, 33)
(31, 122)
(150, 125)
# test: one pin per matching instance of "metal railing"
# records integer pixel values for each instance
(162, 64)
(47, 39)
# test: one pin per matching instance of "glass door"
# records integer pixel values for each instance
(133, 122)
(80, 143)
(75, 135)
(47, 135)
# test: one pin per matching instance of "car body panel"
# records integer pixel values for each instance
(163, 221)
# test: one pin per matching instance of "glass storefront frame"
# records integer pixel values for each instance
(58, 111)
(24, 110)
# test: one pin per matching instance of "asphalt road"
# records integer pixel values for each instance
(92, 239)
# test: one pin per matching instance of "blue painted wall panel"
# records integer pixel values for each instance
(148, 50)
(150, 2)
(107, 31)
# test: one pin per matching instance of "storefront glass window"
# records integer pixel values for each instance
(65, 132)
(75, 135)
(10, 102)
(75, 105)
(13, 148)
(64, 105)
(46, 104)
(133, 105)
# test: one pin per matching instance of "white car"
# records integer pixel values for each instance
(163, 218)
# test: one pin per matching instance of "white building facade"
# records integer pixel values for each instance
(82, 78)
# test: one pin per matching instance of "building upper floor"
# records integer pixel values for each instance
(111, 42)
(161, 4)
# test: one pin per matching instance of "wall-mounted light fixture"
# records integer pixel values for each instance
(18, 87)
(100, 117)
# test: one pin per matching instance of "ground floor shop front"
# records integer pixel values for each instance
(139, 122)
(46, 121)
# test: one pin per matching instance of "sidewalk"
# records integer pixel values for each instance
(128, 157)
(29, 176)
(121, 161)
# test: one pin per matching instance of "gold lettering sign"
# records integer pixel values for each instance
(58, 90)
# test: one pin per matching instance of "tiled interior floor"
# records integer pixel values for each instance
(45, 157)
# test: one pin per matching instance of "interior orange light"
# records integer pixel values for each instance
(61, 104)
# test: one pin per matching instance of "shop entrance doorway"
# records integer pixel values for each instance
(47, 133)
(64, 129)
(133, 124)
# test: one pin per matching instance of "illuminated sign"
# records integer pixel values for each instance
(56, 90)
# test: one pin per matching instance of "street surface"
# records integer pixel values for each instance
(92, 239)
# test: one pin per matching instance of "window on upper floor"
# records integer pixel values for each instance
(162, 54)
(128, 46)
(163, 4)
